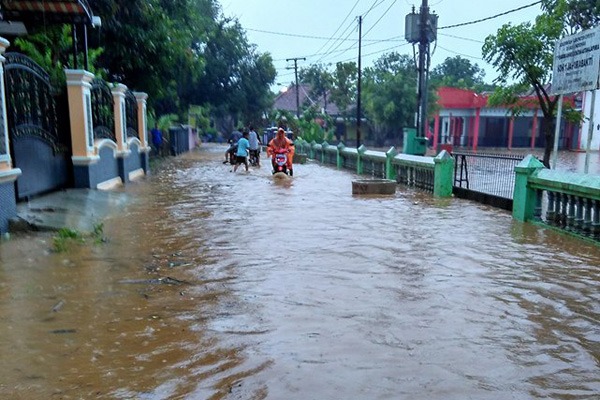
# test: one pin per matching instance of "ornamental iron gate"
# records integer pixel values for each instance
(103, 111)
(131, 112)
(39, 137)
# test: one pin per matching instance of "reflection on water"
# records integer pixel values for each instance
(300, 291)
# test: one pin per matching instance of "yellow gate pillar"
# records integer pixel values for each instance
(118, 92)
(142, 129)
(8, 174)
(79, 84)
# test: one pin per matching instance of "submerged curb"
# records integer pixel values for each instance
(373, 186)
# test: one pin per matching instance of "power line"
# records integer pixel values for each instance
(392, 39)
(353, 58)
(380, 18)
(339, 27)
(355, 47)
(375, 4)
(306, 36)
(460, 54)
(331, 48)
(492, 17)
(460, 37)
(377, 52)
(364, 55)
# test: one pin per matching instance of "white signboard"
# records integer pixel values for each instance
(576, 62)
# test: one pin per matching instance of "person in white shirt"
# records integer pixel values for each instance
(254, 146)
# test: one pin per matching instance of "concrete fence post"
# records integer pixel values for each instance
(8, 174)
(390, 171)
(79, 85)
(142, 129)
(340, 160)
(118, 92)
(123, 152)
(359, 159)
(312, 149)
(524, 199)
(324, 147)
(443, 174)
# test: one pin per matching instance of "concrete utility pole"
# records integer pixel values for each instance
(423, 70)
(358, 83)
(295, 68)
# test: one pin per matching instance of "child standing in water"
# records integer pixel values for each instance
(242, 152)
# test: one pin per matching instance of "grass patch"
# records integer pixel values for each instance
(63, 237)
(98, 233)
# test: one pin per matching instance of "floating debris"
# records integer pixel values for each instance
(167, 280)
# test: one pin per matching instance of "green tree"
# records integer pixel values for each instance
(236, 77)
(180, 52)
(524, 53)
(578, 14)
(318, 78)
(50, 47)
(389, 95)
(458, 72)
(343, 90)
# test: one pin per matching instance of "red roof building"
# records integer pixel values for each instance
(465, 119)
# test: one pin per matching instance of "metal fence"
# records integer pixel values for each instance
(179, 140)
(485, 177)
(103, 113)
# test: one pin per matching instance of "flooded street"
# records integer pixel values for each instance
(299, 291)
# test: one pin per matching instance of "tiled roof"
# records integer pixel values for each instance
(287, 100)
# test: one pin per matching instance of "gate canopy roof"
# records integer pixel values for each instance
(51, 11)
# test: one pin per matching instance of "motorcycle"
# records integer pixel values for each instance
(231, 155)
(279, 161)
(254, 157)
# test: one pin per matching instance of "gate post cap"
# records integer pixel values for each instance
(140, 96)
(341, 146)
(529, 164)
(118, 88)
(3, 45)
(391, 153)
(443, 157)
(78, 76)
(362, 149)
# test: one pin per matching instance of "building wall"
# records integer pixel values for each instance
(494, 129)
(583, 131)
(8, 206)
(522, 132)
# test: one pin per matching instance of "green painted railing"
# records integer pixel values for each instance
(428, 173)
(415, 171)
(564, 200)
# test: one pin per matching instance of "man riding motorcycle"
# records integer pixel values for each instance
(280, 142)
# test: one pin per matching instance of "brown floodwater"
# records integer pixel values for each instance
(298, 290)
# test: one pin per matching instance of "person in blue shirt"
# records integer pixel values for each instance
(242, 152)
(233, 140)
(157, 139)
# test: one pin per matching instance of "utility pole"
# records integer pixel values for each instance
(295, 59)
(358, 82)
(423, 67)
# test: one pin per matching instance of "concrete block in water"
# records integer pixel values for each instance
(299, 158)
(373, 186)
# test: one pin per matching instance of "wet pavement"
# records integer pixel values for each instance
(214, 285)
(78, 209)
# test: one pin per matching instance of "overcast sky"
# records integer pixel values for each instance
(323, 17)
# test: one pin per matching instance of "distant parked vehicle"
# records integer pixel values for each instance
(270, 133)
